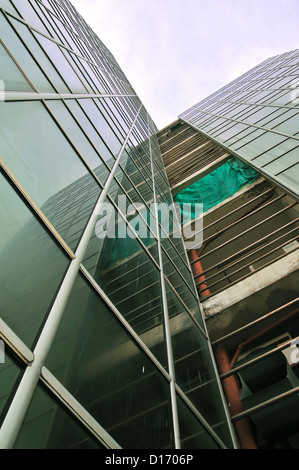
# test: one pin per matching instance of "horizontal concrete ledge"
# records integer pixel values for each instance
(259, 280)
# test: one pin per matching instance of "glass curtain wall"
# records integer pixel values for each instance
(103, 337)
(256, 118)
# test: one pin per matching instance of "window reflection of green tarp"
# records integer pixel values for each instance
(217, 186)
(119, 249)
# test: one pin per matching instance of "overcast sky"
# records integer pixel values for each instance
(177, 52)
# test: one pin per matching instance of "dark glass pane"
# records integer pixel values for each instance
(44, 162)
(176, 259)
(99, 363)
(193, 433)
(194, 369)
(134, 194)
(134, 170)
(140, 216)
(10, 376)
(185, 290)
(48, 425)
(129, 277)
(32, 267)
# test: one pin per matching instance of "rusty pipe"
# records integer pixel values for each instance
(198, 272)
(244, 427)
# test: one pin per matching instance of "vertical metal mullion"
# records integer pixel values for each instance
(211, 352)
(17, 411)
(215, 368)
(171, 369)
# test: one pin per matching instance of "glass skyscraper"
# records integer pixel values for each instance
(109, 325)
(104, 339)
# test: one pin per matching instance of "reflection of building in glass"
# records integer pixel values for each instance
(107, 342)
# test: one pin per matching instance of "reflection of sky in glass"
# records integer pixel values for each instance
(44, 165)
(12, 217)
(31, 266)
(49, 169)
(10, 74)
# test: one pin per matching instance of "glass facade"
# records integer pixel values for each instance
(255, 118)
(105, 343)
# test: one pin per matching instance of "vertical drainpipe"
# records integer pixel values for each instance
(244, 428)
(197, 271)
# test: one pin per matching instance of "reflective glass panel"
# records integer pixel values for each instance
(132, 168)
(98, 362)
(129, 277)
(12, 78)
(48, 425)
(193, 433)
(48, 167)
(277, 151)
(291, 177)
(6, 4)
(10, 375)
(55, 53)
(99, 121)
(78, 137)
(45, 62)
(261, 144)
(23, 57)
(93, 132)
(194, 369)
(184, 289)
(284, 162)
(289, 126)
(32, 267)
(29, 14)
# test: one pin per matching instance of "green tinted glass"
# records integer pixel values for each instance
(23, 57)
(95, 112)
(48, 425)
(10, 375)
(79, 138)
(32, 267)
(131, 280)
(194, 369)
(48, 167)
(193, 433)
(99, 363)
(12, 78)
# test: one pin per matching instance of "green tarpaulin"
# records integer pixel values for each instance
(217, 186)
